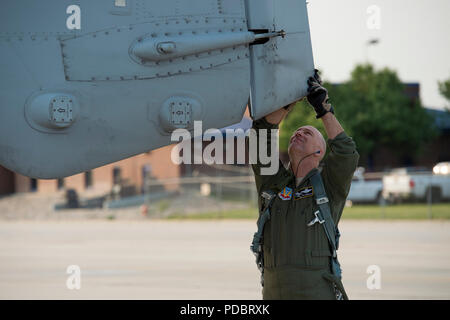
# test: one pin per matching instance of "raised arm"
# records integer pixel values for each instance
(343, 157)
(277, 116)
(332, 125)
(269, 122)
(318, 99)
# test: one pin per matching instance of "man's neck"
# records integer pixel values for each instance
(305, 166)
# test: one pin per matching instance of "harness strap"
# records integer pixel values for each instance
(264, 216)
(326, 220)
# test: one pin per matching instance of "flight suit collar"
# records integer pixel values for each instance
(305, 178)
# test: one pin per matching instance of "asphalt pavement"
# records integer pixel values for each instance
(160, 259)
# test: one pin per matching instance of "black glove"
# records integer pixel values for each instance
(318, 96)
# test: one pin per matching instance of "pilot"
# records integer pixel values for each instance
(301, 205)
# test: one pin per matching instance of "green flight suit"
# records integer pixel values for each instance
(297, 257)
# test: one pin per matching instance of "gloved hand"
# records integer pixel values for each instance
(318, 96)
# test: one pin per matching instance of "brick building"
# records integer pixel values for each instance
(157, 164)
(129, 173)
(435, 151)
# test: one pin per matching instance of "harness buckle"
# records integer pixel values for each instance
(318, 219)
(322, 200)
(266, 195)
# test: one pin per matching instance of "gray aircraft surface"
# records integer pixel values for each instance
(84, 83)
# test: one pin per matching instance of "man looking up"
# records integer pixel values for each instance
(297, 233)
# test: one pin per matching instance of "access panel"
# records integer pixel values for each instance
(281, 66)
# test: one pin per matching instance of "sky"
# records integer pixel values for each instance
(413, 35)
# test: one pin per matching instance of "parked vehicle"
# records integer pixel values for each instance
(364, 189)
(442, 168)
(417, 184)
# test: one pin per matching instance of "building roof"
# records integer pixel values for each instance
(441, 118)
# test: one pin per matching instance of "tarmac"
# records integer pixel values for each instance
(161, 259)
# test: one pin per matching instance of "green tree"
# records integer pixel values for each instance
(444, 89)
(374, 110)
